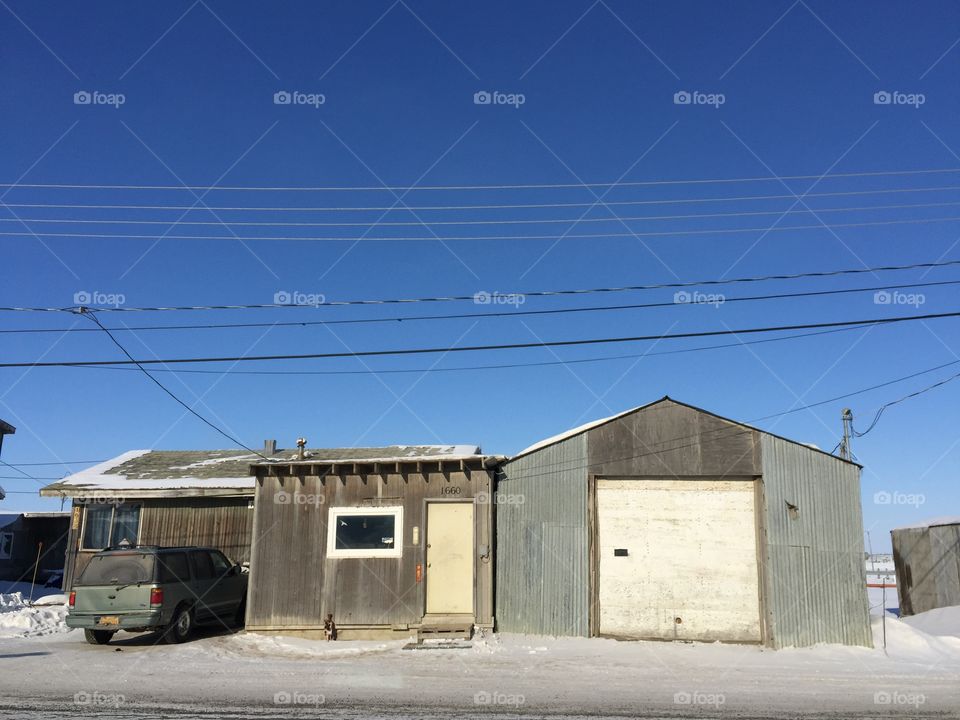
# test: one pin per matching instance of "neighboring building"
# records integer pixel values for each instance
(927, 559)
(26, 536)
(669, 522)
(392, 541)
(5, 429)
(160, 497)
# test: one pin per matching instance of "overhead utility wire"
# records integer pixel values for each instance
(529, 294)
(509, 221)
(489, 315)
(163, 387)
(454, 238)
(500, 366)
(515, 186)
(876, 418)
(473, 348)
(481, 206)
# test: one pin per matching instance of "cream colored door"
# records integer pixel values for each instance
(449, 573)
(678, 559)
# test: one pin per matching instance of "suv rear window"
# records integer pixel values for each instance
(173, 567)
(118, 568)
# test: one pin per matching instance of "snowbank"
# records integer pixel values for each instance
(19, 619)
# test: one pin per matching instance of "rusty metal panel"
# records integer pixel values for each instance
(815, 575)
(543, 578)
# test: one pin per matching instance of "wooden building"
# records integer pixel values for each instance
(159, 497)
(391, 541)
(669, 522)
(33, 544)
(926, 556)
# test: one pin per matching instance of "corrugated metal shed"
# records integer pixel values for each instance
(542, 542)
(814, 588)
(815, 574)
(927, 560)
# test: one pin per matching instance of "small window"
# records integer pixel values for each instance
(6, 545)
(202, 565)
(173, 567)
(220, 565)
(110, 525)
(365, 532)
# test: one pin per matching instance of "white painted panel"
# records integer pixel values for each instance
(450, 558)
(691, 554)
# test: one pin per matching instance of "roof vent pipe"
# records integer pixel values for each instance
(269, 447)
(301, 444)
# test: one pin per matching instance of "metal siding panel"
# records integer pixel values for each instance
(816, 576)
(927, 560)
(541, 501)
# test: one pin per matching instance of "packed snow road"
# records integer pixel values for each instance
(46, 671)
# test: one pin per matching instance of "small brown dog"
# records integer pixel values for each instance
(329, 628)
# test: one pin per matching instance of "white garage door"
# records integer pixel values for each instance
(678, 559)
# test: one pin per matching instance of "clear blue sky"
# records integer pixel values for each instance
(398, 81)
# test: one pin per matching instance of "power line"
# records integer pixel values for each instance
(468, 348)
(455, 238)
(508, 221)
(690, 302)
(501, 366)
(520, 186)
(738, 429)
(876, 418)
(529, 294)
(481, 206)
(163, 387)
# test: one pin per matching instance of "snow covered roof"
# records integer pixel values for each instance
(932, 522)
(158, 473)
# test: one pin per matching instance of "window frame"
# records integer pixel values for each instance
(351, 511)
(113, 514)
(9, 554)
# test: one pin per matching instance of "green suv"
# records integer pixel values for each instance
(170, 589)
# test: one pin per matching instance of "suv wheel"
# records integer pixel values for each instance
(180, 627)
(98, 637)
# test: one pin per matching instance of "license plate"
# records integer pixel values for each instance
(109, 620)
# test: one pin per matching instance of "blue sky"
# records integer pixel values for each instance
(398, 82)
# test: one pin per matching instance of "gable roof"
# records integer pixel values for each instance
(580, 429)
(167, 473)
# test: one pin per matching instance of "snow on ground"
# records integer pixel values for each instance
(917, 674)
(18, 618)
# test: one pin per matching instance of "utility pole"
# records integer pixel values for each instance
(845, 450)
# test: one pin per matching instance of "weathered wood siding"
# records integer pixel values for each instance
(293, 583)
(223, 523)
(927, 561)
